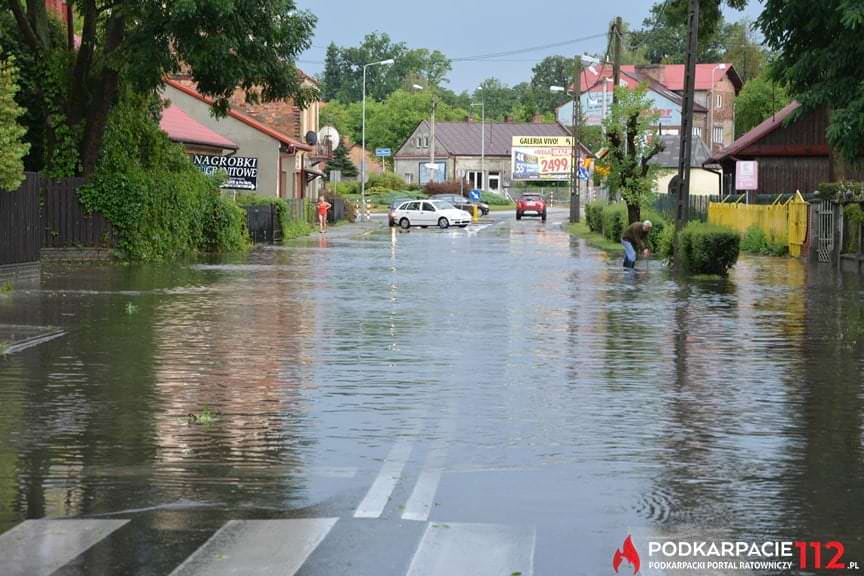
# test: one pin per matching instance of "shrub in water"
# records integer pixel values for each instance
(708, 248)
(594, 216)
(756, 241)
(614, 221)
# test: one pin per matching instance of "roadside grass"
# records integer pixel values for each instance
(296, 229)
(594, 239)
(501, 207)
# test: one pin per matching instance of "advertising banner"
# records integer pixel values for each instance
(439, 174)
(242, 171)
(541, 158)
(746, 175)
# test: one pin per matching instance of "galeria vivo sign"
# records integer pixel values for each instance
(746, 556)
(242, 171)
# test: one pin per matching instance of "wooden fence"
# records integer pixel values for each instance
(20, 228)
(64, 221)
(667, 204)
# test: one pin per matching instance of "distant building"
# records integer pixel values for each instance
(790, 156)
(704, 181)
(458, 151)
(717, 86)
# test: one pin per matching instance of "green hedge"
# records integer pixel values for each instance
(387, 180)
(708, 248)
(494, 199)
(611, 220)
(159, 203)
(290, 227)
(756, 241)
(848, 190)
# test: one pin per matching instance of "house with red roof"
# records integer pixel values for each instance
(792, 153)
(267, 161)
(195, 137)
(717, 86)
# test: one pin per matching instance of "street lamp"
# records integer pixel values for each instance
(387, 62)
(574, 148)
(713, 104)
(482, 137)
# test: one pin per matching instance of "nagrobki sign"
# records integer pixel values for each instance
(242, 171)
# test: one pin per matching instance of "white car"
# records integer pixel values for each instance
(430, 213)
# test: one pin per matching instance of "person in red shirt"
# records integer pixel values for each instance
(323, 208)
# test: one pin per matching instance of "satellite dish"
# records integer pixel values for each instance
(311, 138)
(329, 134)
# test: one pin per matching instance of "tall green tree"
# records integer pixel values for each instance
(551, 71)
(498, 98)
(342, 162)
(663, 38)
(632, 138)
(741, 50)
(343, 70)
(12, 148)
(222, 45)
(760, 98)
(820, 58)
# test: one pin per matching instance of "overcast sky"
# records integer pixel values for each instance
(461, 28)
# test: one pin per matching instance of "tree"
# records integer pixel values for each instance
(222, 45)
(741, 51)
(498, 98)
(551, 71)
(663, 38)
(760, 98)
(12, 149)
(632, 143)
(820, 58)
(343, 70)
(342, 162)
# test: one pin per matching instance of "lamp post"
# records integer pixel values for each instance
(482, 138)
(713, 104)
(363, 157)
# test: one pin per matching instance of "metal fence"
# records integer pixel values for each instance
(667, 205)
(786, 222)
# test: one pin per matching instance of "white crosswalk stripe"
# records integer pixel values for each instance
(379, 494)
(422, 499)
(40, 547)
(257, 548)
(476, 549)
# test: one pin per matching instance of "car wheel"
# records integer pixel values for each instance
(543, 216)
(405, 224)
(463, 225)
(518, 215)
(443, 223)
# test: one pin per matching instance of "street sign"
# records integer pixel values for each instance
(383, 152)
(474, 195)
(746, 175)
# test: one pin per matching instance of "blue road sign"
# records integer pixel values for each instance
(583, 174)
(383, 152)
(474, 195)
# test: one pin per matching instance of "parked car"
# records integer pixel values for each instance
(430, 213)
(392, 209)
(531, 203)
(464, 203)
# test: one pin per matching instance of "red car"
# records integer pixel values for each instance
(531, 204)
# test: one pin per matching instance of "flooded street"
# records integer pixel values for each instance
(398, 403)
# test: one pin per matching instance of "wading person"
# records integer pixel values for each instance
(635, 238)
(323, 208)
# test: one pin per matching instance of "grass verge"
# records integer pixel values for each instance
(296, 229)
(594, 239)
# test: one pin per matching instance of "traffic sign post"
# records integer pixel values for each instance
(474, 195)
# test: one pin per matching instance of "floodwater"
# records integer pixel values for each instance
(417, 402)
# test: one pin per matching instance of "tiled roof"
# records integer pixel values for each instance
(668, 158)
(669, 75)
(248, 120)
(757, 133)
(180, 127)
(464, 138)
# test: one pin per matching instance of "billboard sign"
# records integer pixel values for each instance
(242, 171)
(438, 172)
(746, 175)
(541, 158)
(593, 109)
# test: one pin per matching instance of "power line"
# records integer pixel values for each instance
(493, 55)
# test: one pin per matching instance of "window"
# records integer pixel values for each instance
(409, 177)
(423, 142)
(718, 101)
(697, 132)
(412, 206)
(494, 181)
(475, 179)
(427, 207)
(718, 134)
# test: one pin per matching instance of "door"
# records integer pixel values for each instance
(428, 215)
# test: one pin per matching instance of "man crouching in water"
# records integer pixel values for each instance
(636, 237)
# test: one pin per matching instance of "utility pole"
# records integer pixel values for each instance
(617, 34)
(682, 213)
(576, 92)
(433, 168)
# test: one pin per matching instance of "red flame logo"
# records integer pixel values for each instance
(629, 553)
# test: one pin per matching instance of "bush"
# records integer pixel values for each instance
(346, 188)
(614, 221)
(494, 199)
(756, 241)
(159, 203)
(661, 227)
(708, 248)
(594, 216)
(448, 187)
(287, 222)
(387, 180)
(847, 190)
(665, 246)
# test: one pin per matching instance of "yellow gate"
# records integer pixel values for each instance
(781, 222)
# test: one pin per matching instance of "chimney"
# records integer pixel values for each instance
(537, 118)
(655, 71)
